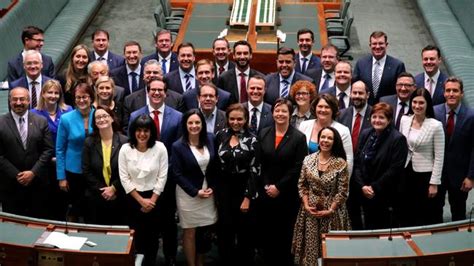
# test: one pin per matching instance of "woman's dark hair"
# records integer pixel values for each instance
(115, 125)
(238, 107)
(337, 149)
(85, 88)
(202, 134)
(429, 103)
(330, 100)
(143, 121)
(283, 101)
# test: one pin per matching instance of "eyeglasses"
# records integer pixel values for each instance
(302, 93)
(157, 90)
(407, 85)
(100, 117)
(83, 98)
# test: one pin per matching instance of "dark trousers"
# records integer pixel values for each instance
(354, 205)
(28, 200)
(106, 212)
(169, 228)
(380, 212)
(76, 196)
(457, 202)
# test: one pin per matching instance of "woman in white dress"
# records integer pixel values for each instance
(193, 164)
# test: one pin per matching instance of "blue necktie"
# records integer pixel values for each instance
(325, 86)
(134, 85)
(163, 66)
(188, 81)
(284, 91)
(303, 67)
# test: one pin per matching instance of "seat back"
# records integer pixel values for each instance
(160, 17)
(345, 9)
(347, 24)
(166, 7)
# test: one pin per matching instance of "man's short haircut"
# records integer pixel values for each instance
(259, 77)
(163, 31)
(29, 31)
(211, 86)
(220, 39)
(363, 83)
(155, 79)
(33, 52)
(203, 62)
(406, 75)
(243, 42)
(330, 46)
(97, 31)
(303, 31)
(345, 62)
(430, 47)
(132, 43)
(18, 88)
(455, 79)
(378, 34)
(96, 63)
(184, 45)
(286, 51)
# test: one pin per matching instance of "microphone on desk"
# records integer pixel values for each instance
(390, 210)
(469, 229)
(69, 207)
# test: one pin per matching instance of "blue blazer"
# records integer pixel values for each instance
(363, 71)
(266, 117)
(120, 77)
(16, 70)
(174, 60)
(314, 63)
(173, 82)
(438, 95)
(185, 169)
(190, 99)
(170, 126)
(273, 85)
(23, 82)
(113, 60)
(459, 150)
(70, 141)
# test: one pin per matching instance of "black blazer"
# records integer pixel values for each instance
(190, 99)
(92, 163)
(346, 115)
(266, 117)
(120, 77)
(228, 82)
(173, 82)
(315, 74)
(174, 60)
(272, 87)
(216, 71)
(113, 60)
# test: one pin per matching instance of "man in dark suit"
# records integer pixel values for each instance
(342, 86)
(378, 71)
(33, 39)
(279, 83)
(458, 168)
(100, 41)
(184, 78)
(235, 80)
(356, 118)
(130, 75)
(26, 149)
(99, 69)
(305, 59)
(399, 102)
(215, 118)
(168, 123)
(33, 79)
(324, 77)
(221, 52)
(168, 59)
(205, 75)
(138, 99)
(432, 79)
(260, 113)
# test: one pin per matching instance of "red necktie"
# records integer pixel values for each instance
(450, 124)
(221, 69)
(156, 119)
(355, 132)
(243, 88)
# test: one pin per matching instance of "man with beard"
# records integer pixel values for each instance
(100, 41)
(130, 75)
(279, 83)
(221, 52)
(324, 77)
(356, 118)
(305, 59)
(26, 149)
(342, 86)
(235, 81)
(184, 78)
(167, 59)
(432, 79)
(205, 75)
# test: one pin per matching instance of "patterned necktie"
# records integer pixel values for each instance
(243, 88)
(23, 131)
(376, 75)
(134, 85)
(163, 66)
(284, 90)
(221, 69)
(450, 124)
(188, 81)
(356, 131)
(156, 119)
(400, 114)
(430, 85)
(101, 59)
(342, 104)
(303, 67)
(325, 86)
(34, 100)
(253, 121)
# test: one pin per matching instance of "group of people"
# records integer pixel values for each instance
(247, 161)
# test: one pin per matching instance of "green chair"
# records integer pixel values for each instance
(342, 41)
(338, 13)
(336, 27)
(162, 22)
(170, 11)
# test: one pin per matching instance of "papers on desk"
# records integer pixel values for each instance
(60, 240)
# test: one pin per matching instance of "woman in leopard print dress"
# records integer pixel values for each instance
(323, 188)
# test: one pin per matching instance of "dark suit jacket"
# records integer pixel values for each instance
(228, 82)
(346, 115)
(313, 63)
(170, 126)
(438, 95)
(14, 158)
(173, 82)
(363, 71)
(185, 169)
(174, 60)
(272, 90)
(216, 71)
(113, 60)
(221, 121)
(315, 74)
(459, 151)
(23, 82)
(92, 164)
(16, 70)
(190, 99)
(266, 117)
(392, 101)
(120, 77)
